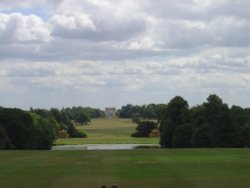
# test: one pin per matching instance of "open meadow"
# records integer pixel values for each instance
(108, 131)
(146, 168)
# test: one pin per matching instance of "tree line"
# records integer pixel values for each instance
(211, 124)
(38, 128)
(137, 113)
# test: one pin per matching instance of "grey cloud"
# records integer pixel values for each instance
(29, 72)
(197, 10)
(108, 29)
(223, 31)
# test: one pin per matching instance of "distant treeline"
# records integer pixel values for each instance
(38, 128)
(81, 115)
(150, 111)
(211, 124)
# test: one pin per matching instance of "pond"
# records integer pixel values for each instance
(105, 147)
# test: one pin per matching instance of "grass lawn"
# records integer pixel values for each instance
(159, 168)
(108, 131)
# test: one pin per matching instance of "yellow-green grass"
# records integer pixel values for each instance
(108, 131)
(161, 168)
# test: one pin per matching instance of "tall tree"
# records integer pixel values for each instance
(176, 114)
(217, 115)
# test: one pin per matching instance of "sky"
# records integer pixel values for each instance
(104, 53)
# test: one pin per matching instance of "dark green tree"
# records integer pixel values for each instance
(182, 136)
(144, 128)
(197, 116)
(46, 131)
(82, 117)
(245, 136)
(202, 136)
(4, 139)
(74, 133)
(176, 114)
(19, 128)
(217, 115)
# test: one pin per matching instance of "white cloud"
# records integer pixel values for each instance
(16, 28)
(73, 21)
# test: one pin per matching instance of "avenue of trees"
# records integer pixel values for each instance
(211, 124)
(38, 128)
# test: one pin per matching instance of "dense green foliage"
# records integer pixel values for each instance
(38, 128)
(212, 124)
(144, 128)
(63, 119)
(146, 168)
(22, 130)
(150, 111)
(46, 131)
(82, 115)
(4, 139)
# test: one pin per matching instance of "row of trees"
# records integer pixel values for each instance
(211, 124)
(81, 115)
(38, 128)
(137, 113)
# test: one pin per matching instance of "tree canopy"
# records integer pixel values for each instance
(38, 128)
(211, 124)
(144, 128)
(150, 111)
(23, 130)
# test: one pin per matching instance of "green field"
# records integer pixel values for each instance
(161, 168)
(108, 131)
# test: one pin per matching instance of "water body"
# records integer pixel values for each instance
(105, 147)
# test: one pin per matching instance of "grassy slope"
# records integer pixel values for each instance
(189, 168)
(109, 131)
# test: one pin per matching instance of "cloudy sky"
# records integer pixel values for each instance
(102, 53)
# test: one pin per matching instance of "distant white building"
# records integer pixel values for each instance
(110, 112)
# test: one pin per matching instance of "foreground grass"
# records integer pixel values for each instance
(183, 168)
(108, 131)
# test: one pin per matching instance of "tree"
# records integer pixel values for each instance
(239, 115)
(197, 116)
(217, 115)
(202, 136)
(19, 128)
(176, 114)
(63, 119)
(46, 131)
(4, 139)
(245, 136)
(182, 136)
(74, 133)
(82, 117)
(144, 128)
